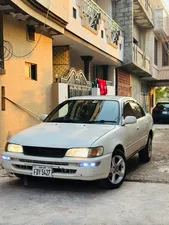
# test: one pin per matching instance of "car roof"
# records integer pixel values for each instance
(102, 97)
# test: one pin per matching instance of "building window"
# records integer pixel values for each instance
(102, 33)
(74, 13)
(155, 51)
(30, 33)
(30, 71)
(135, 41)
(165, 58)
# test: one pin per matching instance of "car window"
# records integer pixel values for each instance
(142, 110)
(163, 105)
(127, 110)
(137, 110)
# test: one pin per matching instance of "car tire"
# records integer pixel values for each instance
(117, 171)
(146, 153)
(155, 121)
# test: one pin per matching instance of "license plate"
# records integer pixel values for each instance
(42, 171)
(164, 112)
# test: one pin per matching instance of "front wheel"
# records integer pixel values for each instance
(146, 153)
(117, 171)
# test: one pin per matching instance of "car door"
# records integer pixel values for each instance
(142, 124)
(131, 132)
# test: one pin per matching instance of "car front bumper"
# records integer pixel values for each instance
(62, 168)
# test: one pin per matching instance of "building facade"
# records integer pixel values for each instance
(49, 51)
(52, 50)
(146, 32)
(26, 66)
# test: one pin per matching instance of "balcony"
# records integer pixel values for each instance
(93, 25)
(143, 14)
(161, 21)
(140, 59)
(140, 64)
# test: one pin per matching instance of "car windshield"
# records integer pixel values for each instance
(86, 111)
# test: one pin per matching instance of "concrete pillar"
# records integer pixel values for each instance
(123, 15)
(87, 60)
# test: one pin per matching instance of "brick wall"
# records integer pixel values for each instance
(124, 87)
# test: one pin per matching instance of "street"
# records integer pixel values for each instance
(142, 199)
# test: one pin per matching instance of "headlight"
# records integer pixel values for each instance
(85, 152)
(14, 148)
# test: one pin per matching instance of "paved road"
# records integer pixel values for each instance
(51, 202)
(158, 169)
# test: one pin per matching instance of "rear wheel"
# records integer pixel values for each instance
(146, 153)
(117, 171)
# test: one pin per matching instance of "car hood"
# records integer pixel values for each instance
(61, 135)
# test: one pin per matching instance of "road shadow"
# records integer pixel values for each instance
(47, 184)
(55, 185)
(133, 164)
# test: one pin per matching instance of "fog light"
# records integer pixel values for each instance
(7, 158)
(89, 165)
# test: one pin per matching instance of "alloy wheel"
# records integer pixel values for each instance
(117, 169)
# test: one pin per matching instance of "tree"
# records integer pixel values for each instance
(162, 93)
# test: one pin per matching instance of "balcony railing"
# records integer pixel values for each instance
(147, 7)
(141, 59)
(92, 16)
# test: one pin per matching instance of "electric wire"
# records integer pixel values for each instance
(10, 50)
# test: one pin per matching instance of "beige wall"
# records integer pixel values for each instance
(59, 7)
(136, 33)
(141, 36)
(35, 14)
(106, 6)
(33, 95)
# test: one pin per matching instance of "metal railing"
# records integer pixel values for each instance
(94, 14)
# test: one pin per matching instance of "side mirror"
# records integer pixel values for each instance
(43, 117)
(130, 120)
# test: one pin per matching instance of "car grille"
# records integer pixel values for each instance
(44, 152)
(44, 162)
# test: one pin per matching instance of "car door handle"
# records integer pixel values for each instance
(138, 128)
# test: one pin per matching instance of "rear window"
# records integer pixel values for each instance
(163, 105)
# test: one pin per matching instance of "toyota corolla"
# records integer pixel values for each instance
(84, 138)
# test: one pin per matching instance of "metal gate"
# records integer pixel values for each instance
(77, 84)
(78, 90)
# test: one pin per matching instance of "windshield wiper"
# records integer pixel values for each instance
(101, 121)
(61, 121)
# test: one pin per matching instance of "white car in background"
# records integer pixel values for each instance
(84, 138)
